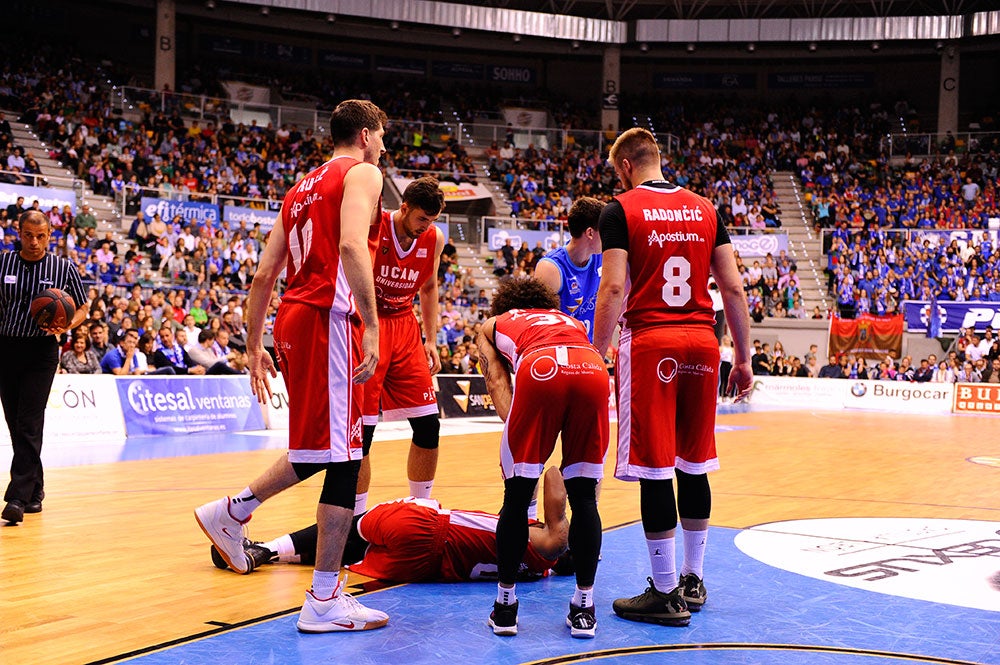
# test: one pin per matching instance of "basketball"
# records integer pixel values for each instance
(52, 307)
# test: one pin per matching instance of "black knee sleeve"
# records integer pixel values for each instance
(512, 526)
(657, 506)
(694, 496)
(340, 484)
(367, 434)
(584, 528)
(304, 542)
(304, 470)
(426, 431)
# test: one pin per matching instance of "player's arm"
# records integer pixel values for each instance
(552, 540)
(362, 188)
(548, 273)
(734, 302)
(610, 295)
(494, 370)
(430, 309)
(259, 361)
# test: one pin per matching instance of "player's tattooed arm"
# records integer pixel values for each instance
(495, 372)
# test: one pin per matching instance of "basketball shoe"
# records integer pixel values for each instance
(652, 606)
(225, 532)
(339, 612)
(693, 591)
(503, 619)
(257, 555)
(581, 621)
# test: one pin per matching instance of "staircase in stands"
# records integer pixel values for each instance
(805, 246)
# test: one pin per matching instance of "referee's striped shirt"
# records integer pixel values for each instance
(23, 280)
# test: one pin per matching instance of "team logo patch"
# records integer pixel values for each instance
(906, 557)
(543, 368)
(422, 253)
(385, 250)
(666, 370)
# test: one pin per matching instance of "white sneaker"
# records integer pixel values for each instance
(338, 613)
(225, 532)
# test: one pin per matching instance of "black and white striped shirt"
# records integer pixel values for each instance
(23, 280)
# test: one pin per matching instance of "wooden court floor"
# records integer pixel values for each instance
(116, 563)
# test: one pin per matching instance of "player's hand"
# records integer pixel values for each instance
(740, 380)
(54, 330)
(433, 359)
(369, 360)
(261, 367)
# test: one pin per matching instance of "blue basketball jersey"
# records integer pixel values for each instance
(578, 295)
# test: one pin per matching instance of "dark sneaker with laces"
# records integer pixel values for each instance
(652, 606)
(503, 619)
(256, 555)
(693, 591)
(581, 621)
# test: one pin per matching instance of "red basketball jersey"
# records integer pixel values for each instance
(471, 549)
(399, 274)
(520, 331)
(671, 237)
(310, 215)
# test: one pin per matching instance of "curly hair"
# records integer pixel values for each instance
(528, 293)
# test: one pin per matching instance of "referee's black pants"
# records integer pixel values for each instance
(28, 367)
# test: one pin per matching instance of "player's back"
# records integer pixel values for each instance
(311, 219)
(471, 546)
(521, 331)
(671, 236)
(400, 273)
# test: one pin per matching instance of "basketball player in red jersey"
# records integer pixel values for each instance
(322, 241)
(416, 540)
(407, 263)
(661, 243)
(560, 386)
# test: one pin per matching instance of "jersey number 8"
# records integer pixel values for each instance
(676, 291)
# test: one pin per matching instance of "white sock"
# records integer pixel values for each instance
(360, 503)
(664, 564)
(285, 549)
(694, 552)
(325, 584)
(421, 488)
(506, 596)
(583, 598)
(533, 510)
(242, 505)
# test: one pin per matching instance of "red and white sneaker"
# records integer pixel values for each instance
(225, 532)
(340, 612)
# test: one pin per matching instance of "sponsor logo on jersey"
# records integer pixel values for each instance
(574, 285)
(677, 236)
(421, 252)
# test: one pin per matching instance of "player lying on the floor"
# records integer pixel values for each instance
(416, 540)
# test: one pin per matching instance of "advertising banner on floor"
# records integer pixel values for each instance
(46, 197)
(954, 315)
(184, 405)
(276, 410)
(897, 396)
(869, 337)
(82, 408)
(799, 393)
(463, 395)
(977, 398)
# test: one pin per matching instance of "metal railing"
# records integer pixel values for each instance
(935, 144)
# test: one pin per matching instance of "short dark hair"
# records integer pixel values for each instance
(34, 217)
(205, 335)
(584, 214)
(527, 293)
(425, 194)
(353, 115)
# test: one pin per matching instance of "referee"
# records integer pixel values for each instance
(30, 355)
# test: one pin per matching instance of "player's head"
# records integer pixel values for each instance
(528, 293)
(583, 218)
(34, 230)
(423, 201)
(360, 123)
(634, 151)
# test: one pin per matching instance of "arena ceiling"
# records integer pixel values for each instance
(632, 10)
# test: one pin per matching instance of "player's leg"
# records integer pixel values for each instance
(373, 389)
(422, 460)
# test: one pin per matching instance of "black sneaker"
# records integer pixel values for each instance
(693, 591)
(581, 621)
(256, 554)
(13, 512)
(652, 606)
(503, 619)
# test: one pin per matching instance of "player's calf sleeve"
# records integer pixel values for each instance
(304, 541)
(367, 435)
(426, 431)
(512, 527)
(657, 505)
(584, 528)
(694, 495)
(340, 484)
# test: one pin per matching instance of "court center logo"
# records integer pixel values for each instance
(906, 557)
(666, 369)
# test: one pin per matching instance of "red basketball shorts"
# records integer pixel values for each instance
(317, 353)
(402, 384)
(406, 540)
(667, 379)
(557, 390)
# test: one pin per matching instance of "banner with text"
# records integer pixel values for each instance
(463, 191)
(82, 408)
(497, 238)
(236, 214)
(977, 398)
(183, 405)
(276, 410)
(246, 93)
(760, 244)
(954, 315)
(869, 337)
(46, 196)
(463, 395)
(200, 213)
